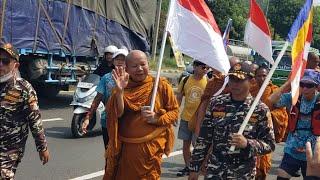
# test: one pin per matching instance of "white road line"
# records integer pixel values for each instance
(54, 132)
(101, 173)
(53, 119)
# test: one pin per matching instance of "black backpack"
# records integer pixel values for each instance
(184, 81)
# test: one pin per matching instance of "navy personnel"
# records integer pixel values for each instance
(222, 121)
(19, 111)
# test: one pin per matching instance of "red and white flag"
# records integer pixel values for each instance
(257, 33)
(196, 33)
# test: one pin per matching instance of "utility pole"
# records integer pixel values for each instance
(156, 30)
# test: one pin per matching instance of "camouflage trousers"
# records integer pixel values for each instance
(8, 164)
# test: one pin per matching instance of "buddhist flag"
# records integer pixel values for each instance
(195, 33)
(300, 36)
(257, 33)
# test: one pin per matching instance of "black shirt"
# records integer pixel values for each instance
(103, 69)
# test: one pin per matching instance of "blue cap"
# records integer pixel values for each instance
(311, 76)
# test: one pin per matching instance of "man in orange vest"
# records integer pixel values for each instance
(303, 125)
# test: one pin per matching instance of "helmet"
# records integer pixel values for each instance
(110, 49)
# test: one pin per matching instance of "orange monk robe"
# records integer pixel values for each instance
(280, 122)
(136, 147)
(279, 115)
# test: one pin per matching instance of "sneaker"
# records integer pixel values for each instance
(183, 172)
(297, 174)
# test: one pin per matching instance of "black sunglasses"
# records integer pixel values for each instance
(204, 67)
(307, 85)
(5, 61)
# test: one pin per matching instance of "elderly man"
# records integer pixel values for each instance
(303, 125)
(222, 121)
(19, 111)
(138, 137)
(104, 90)
(279, 119)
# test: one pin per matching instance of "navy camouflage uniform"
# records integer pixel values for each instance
(19, 111)
(223, 118)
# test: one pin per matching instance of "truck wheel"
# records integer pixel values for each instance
(76, 125)
(45, 90)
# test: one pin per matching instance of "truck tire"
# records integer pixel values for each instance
(46, 90)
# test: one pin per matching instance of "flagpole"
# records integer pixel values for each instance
(263, 87)
(163, 45)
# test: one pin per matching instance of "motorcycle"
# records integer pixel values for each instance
(82, 100)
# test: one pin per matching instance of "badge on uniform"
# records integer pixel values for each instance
(253, 118)
(216, 114)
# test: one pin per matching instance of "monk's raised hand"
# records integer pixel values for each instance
(121, 78)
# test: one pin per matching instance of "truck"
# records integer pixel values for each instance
(60, 41)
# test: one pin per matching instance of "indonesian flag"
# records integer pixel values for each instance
(257, 33)
(300, 36)
(195, 33)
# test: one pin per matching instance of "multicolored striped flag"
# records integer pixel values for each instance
(300, 36)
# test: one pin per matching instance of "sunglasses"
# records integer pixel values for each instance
(307, 85)
(204, 67)
(5, 61)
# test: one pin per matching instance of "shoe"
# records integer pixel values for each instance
(297, 174)
(183, 172)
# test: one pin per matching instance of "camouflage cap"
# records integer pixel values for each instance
(242, 70)
(7, 47)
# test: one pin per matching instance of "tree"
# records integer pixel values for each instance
(282, 14)
(237, 10)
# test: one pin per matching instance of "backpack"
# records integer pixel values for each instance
(184, 81)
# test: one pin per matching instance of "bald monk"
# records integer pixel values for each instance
(139, 137)
(279, 118)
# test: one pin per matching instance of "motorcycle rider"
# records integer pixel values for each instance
(103, 93)
(106, 65)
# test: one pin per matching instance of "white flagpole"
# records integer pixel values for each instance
(163, 45)
(263, 87)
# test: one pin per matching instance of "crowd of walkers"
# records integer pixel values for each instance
(137, 136)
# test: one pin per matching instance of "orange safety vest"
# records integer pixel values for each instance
(315, 118)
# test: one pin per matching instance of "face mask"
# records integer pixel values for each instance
(6, 77)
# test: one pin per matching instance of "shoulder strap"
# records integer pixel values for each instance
(184, 81)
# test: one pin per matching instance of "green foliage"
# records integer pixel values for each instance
(234, 9)
(281, 15)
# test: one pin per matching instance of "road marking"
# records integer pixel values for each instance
(101, 173)
(54, 132)
(53, 119)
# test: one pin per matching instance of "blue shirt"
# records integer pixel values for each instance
(296, 141)
(105, 88)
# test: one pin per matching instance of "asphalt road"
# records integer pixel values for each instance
(83, 158)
